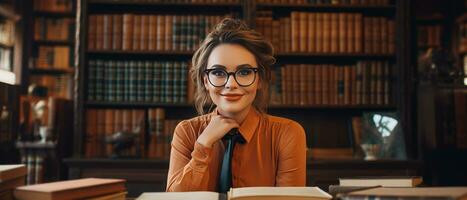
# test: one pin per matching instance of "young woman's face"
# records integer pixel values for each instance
(233, 97)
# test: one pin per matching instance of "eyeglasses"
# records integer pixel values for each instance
(219, 77)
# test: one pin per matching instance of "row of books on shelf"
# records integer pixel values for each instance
(54, 57)
(102, 123)
(463, 37)
(327, 2)
(149, 32)
(154, 132)
(129, 80)
(53, 5)
(326, 32)
(367, 82)
(7, 32)
(53, 29)
(57, 85)
(429, 35)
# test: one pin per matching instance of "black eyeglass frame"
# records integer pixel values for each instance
(255, 70)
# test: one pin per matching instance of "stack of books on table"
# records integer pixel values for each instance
(11, 176)
(87, 188)
(408, 193)
(347, 185)
(393, 187)
(246, 193)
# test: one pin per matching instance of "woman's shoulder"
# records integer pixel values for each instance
(196, 121)
(283, 122)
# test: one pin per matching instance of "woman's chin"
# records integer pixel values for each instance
(232, 108)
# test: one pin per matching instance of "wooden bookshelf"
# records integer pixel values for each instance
(82, 166)
(336, 55)
(97, 104)
(53, 43)
(41, 42)
(163, 3)
(8, 13)
(51, 71)
(327, 7)
(54, 14)
(133, 53)
(36, 145)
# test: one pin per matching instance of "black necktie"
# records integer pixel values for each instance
(225, 178)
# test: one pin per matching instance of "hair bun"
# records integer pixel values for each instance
(231, 24)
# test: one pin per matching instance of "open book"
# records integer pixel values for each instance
(246, 193)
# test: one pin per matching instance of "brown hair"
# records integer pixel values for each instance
(233, 31)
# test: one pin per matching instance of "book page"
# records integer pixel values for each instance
(180, 195)
(279, 191)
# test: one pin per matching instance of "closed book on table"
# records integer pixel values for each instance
(73, 189)
(438, 193)
(9, 172)
(246, 193)
(385, 181)
(11, 184)
(334, 190)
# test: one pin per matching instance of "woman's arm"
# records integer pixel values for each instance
(292, 157)
(190, 155)
(188, 163)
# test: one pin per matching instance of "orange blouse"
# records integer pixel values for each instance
(274, 155)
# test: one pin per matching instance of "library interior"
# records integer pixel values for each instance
(331, 99)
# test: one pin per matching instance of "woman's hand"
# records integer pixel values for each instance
(216, 129)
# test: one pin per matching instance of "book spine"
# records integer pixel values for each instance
(148, 80)
(117, 38)
(128, 21)
(169, 68)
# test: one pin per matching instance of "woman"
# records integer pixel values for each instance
(231, 71)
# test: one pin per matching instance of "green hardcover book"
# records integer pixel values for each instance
(110, 77)
(148, 81)
(99, 80)
(358, 80)
(163, 81)
(184, 33)
(133, 81)
(373, 82)
(183, 82)
(201, 29)
(156, 92)
(168, 82)
(176, 79)
(387, 83)
(119, 80)
(176, 32)
(140, 85)
(92, 80)
(365, 82)
(126, 81)
(195, 32)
